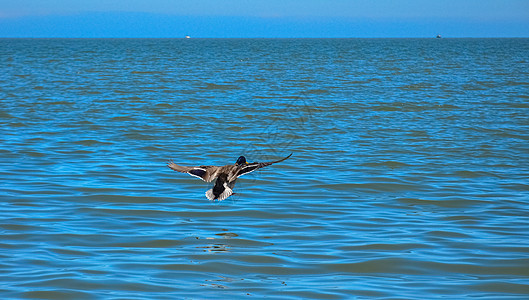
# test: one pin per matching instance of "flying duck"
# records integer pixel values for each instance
(225, 175)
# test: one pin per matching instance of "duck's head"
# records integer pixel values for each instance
(241, 161)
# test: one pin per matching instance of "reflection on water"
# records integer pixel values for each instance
(217, 244)
(215, 248)
(408, 178)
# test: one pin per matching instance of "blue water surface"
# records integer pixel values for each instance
(408, 179)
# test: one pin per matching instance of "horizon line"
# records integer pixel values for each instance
(204, 38)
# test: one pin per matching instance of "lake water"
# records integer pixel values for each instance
(409, 177)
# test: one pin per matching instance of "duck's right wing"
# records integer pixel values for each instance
(250, 167)
(206, 173)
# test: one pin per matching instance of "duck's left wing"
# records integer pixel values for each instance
(257, 165)
(206, 173)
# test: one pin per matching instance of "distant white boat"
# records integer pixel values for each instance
(438, 36)
(188, 37)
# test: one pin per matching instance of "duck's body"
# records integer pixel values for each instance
(225, 175)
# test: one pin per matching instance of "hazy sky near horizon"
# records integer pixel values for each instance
(271, 18)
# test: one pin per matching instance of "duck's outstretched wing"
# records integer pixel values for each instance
(206, 173)
(257, 165)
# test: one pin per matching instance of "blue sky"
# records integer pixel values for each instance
(267, 18)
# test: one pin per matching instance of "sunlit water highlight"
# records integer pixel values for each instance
(409, 177)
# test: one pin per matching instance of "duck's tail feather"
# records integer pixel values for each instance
(209, 195)
(223, 195)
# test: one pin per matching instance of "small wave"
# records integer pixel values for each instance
(213, 86)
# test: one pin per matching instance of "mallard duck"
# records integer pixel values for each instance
(225, 175)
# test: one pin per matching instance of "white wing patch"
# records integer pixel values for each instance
(248, 169)
(198, 173)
